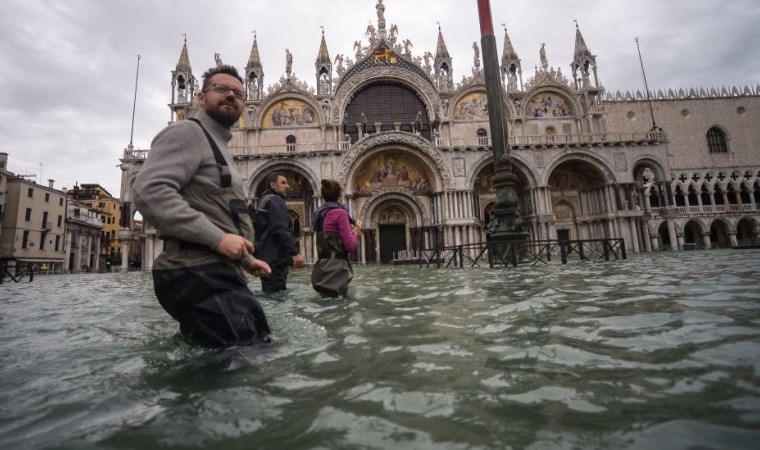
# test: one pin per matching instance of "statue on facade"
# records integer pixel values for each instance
(476, 60)
(542, 53)
(407, 48)
(394, 34)
(218, 59)
(339, 64)
(288, 62)
(370, 34)
(380, 17)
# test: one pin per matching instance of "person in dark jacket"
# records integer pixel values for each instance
(275, 243)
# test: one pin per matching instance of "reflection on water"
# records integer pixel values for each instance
(659, 351)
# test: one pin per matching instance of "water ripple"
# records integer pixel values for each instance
(659, 351)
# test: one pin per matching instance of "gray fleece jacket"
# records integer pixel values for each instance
(180, 157)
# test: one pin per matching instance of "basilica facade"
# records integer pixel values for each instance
(412, 148)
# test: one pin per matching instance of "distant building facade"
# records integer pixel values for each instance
(412, 149)
(109, 208)
(34, 223)
(83, 236)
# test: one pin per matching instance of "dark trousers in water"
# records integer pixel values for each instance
(212, 304)
(277, 281)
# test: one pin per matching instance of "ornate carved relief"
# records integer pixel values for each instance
(395, 139)
(397, 194)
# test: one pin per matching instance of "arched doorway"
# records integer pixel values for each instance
(745, 233)
(719, 235)
(577, 188)
(663, 236)
(391, 229)
(692, 236)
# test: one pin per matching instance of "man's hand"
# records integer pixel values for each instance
(297, 261)
(256, 267)
(234, 247)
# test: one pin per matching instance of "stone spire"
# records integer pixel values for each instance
(323, 65)
(184, 59)
(254, 73)
(183, 84)
(511, 69)
(583, 63)
(443, 70)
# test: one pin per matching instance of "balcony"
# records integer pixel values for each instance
(134, 155)
(291, 149)
(705, 209)
(571, 140)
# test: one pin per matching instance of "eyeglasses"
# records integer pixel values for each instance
(224, 90)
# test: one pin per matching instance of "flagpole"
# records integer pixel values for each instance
(134, 103)
(646, 86)
(506, 228)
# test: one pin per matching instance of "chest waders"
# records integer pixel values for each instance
(201, 289)
(332, 272)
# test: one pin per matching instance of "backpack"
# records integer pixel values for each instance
(260, 219)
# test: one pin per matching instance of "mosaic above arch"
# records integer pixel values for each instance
(393, 169)
(288, 113)
(473, 106)
(548, 104)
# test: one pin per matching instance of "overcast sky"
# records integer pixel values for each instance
(67, 67)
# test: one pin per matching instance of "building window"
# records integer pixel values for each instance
(25, 240)
(28, 216)
(60, 220)
(47, 196)
(716, 140)
(44, 219)
(42, 241)
(482, 136)
(57, 242)
(290, 143)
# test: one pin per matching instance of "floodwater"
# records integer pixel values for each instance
(655, 352)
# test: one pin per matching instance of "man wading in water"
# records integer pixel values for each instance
(190, 192)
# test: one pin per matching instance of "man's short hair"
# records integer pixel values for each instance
(224, 68)
(272, 178)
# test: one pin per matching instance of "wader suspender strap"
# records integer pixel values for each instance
(224, 169)
(319, 226)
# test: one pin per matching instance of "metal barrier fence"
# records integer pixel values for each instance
(512, 253)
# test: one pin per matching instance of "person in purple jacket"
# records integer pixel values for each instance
(337, 236)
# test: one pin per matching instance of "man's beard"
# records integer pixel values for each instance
(225, 117)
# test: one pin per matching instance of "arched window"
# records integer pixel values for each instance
(290, 143)
(716, 140)
(482, 136)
